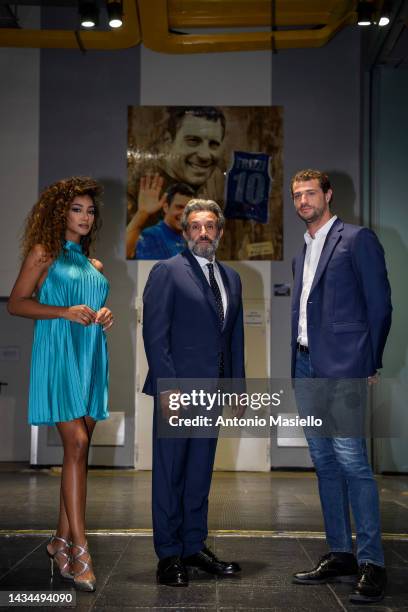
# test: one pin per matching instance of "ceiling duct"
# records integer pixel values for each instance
(202, 26)
(166, 24)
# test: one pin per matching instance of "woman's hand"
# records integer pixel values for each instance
(105, 318)
(80, 314)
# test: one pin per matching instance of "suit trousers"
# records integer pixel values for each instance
(181, 480)
(345, 478)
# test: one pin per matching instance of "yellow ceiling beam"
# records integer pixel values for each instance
(241, 13)
(153, 21)
(155, 17)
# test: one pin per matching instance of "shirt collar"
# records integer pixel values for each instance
(321, 232)
(203, 261)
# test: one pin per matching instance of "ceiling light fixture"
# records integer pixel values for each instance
(364, 13)
(115, 13)
(385, 14)
(88, 13)
(384, 21)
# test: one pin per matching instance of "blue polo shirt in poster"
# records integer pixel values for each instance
(159, 242)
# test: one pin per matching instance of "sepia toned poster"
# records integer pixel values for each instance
(230, 154)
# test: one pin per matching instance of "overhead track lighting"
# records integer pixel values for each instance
(385, 14)
(88, 13)
(365, 13)
(384, 20)
(115, 13)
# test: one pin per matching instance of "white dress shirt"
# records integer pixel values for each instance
(314, 248)
(203, 263)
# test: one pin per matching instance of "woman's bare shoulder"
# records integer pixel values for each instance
(97, 264)
(39, 256)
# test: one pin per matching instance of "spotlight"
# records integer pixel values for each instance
(365, 13)
(115, 13)
(88, 13)
(385, 14)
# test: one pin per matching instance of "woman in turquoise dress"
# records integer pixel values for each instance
(64, 290)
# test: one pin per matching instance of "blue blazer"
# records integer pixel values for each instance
(182, 333)
(349, 305)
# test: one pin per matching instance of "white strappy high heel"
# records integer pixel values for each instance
(61, 557)
(83, 585)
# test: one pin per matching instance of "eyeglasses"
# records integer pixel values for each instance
(196, 227)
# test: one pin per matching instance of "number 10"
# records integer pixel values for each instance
(250, 187)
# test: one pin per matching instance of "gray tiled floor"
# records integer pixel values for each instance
(244, 503)
(125, 567)
(279, 501)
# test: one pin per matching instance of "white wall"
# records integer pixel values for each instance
(19, 130)
(223, 79)
(15, 353)
(19, 156)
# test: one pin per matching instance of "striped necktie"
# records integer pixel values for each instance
(220, 310)
(217, 293)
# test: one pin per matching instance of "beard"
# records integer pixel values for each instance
(315, 215)
(204, 249)
(308, 220)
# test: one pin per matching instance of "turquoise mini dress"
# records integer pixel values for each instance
(69, 362)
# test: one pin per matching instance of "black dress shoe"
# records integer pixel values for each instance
(370, 587)
(333, 567)
(208, 562)
(171, 571)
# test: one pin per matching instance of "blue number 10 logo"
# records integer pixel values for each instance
(247, 187)
(250, 187)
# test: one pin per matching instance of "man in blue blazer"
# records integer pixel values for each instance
(341, 316)
(192, 328)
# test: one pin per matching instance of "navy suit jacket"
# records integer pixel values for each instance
(349, 305)
(182, 333)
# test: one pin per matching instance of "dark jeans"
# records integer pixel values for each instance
(345, 477)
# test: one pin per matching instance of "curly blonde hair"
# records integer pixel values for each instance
(46, 223)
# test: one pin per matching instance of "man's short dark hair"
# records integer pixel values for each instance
(309, 175)
(198, 205)
(177, 114)
(181, 188)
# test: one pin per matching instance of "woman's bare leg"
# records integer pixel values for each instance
(90, 426)
(76, 437)
(63, 530)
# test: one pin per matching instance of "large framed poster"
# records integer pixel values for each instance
(230, 154)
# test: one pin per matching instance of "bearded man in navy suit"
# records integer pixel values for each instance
(341, 316)
(192, 328)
